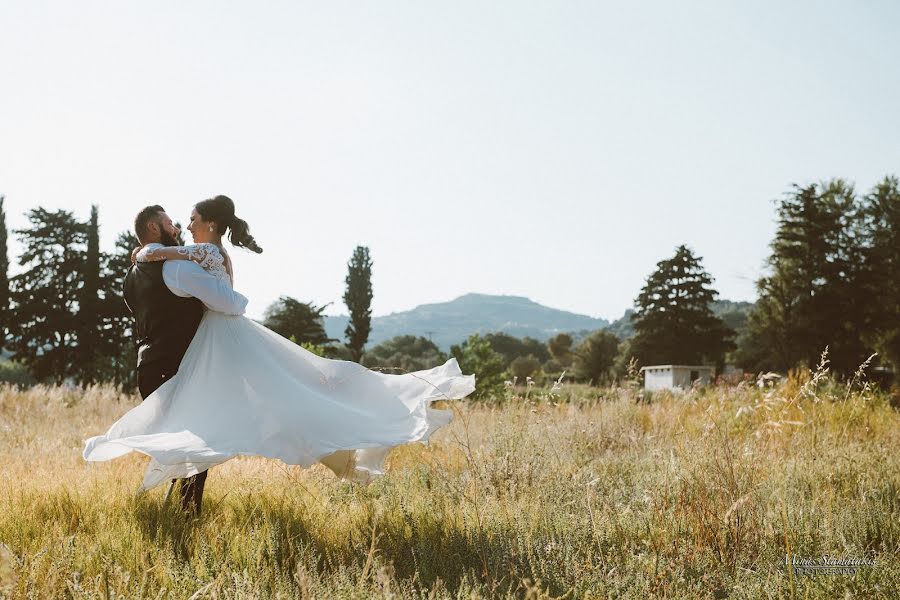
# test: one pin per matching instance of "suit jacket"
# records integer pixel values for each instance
(164, 324)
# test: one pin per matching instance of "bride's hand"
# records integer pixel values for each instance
(134, 254)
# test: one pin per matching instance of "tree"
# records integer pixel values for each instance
(834, 318)
(404, 352)
(795, 262)
(624, 361)
(315, 349)
(475, 355)
(45, 295)
(297, 321)
(673, 321)
(511, 347)
(90, 342)
(880, 278)
(5, 312)
(767, 343)
(812, 295)
(523, 367)
(595, 356)
(83, 330)
(623, 328)
(733, 314)
(358, 298)
(116, 327)
(560, 347)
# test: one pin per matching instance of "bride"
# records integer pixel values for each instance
(243, 390)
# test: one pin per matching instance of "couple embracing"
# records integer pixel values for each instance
(216, 384)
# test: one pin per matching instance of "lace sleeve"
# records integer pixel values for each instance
(206, 255)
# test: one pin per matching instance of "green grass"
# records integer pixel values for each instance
(584, 493)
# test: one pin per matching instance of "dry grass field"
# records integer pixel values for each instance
(572, 493)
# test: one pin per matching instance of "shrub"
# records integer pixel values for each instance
(475, 355)
(524, 366)
(16, 374)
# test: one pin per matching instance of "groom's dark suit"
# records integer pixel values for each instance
(165, 324)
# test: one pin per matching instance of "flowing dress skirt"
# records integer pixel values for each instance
(242, 389)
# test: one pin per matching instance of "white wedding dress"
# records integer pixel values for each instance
(244, 390)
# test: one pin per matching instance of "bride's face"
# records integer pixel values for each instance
(200, 229)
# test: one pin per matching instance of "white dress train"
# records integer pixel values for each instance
(242, 389)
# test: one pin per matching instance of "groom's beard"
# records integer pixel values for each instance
(167, 239)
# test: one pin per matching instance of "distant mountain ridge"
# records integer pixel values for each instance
(447, 323)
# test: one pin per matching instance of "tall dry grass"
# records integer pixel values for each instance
(572, 493)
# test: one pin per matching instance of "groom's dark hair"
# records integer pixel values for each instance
(148, 214)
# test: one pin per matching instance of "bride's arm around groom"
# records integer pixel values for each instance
(186, 278)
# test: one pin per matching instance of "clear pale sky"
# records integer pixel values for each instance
(555, 150)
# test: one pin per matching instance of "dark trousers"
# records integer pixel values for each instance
(150, 377)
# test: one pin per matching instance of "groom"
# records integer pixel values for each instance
(167, 300)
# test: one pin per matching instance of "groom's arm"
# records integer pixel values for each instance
(186, 278)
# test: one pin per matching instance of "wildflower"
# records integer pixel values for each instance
(556, 384)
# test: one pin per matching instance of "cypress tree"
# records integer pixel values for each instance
(5, 309)
(91, 339)
(358, 298)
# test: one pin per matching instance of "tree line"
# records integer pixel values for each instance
(832, 280)
(63, 316)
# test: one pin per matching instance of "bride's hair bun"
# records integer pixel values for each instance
(220, 210)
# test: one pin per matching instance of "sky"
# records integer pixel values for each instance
(554, 150)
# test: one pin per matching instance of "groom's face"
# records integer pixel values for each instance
(168, 232)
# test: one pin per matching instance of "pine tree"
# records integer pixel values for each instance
(674, 323)
(45, 295)
(838, 305)
(811, 297)
(297, 321)
(90, 340)
(880, 278)
(358, 298)
(5, 309)
(778, 333)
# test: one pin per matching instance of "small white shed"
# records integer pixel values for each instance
(667, 377)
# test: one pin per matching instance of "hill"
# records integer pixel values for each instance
(447, 323)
